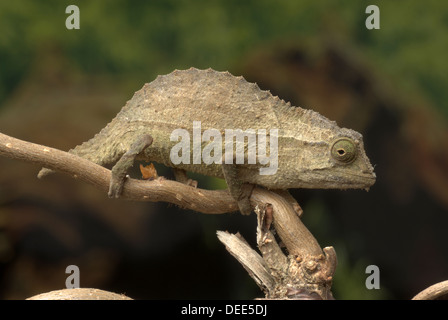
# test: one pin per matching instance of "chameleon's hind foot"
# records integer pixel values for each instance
(116, 187)
(126, 161)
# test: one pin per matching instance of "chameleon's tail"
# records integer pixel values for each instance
(85, 150)
(95, 150)
(81, 150)
(44, 172)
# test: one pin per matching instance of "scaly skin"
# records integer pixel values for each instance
(313, 152)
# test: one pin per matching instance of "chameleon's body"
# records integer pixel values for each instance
(307, 154)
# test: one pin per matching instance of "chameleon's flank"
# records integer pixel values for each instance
(313, 152)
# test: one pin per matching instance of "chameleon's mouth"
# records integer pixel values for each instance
(361, 181)
(349, 180)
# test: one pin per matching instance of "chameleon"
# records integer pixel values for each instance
(312, 151)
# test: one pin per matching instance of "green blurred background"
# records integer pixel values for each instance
(59, 87)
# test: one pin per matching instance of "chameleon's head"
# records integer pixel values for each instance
(336, 162)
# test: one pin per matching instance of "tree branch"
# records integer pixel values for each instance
(79, 294)
(305, 274)
(433, 292)
(201, 200)
(294, 234)
(306, 267)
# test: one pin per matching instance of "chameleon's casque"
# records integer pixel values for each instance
(313, 152)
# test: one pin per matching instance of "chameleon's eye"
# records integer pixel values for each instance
(344, 150)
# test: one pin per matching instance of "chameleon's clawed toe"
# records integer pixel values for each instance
(115, 188)
(113, 193)
(245, 206)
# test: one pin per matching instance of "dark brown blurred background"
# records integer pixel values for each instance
(59, 87)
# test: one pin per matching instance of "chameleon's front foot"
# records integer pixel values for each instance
(239, 191)
(126, 161)
(245, 207)
(244, 199)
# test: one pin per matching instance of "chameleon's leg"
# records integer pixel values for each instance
(238, 190)
(181, 176)
(120, 169)
(285, 194)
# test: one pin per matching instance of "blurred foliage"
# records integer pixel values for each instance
(146, 38)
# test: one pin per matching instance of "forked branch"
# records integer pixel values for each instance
(305, 269)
